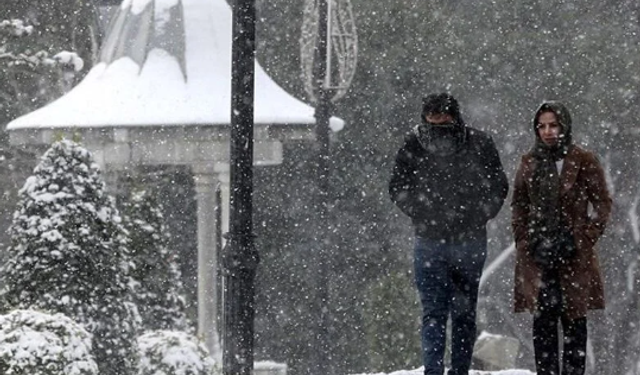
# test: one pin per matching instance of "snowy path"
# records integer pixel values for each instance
(472, 372)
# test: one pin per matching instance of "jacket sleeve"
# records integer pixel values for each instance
(520, 202)
(496, 180)
(403, 182)
(599, 197)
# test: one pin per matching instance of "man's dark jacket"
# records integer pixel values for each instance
(450, 197)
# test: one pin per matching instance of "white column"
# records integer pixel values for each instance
(222, 170)
(205, 184)
(110, 177)
(224, 178)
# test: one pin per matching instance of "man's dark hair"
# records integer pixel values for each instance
(441, 103)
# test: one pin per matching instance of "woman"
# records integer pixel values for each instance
(560, 208)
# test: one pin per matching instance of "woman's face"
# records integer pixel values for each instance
(548, 128)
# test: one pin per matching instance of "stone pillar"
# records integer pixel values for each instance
(205, 185)
(110, 176)
(224, 178)
(222, 170)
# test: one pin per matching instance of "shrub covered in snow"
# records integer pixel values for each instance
(158, 286)
(68, 255)
(174, 353)
(35, 343)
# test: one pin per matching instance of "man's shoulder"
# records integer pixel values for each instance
(410, 147)
(479, 139)
(478, 135)
(411, 139)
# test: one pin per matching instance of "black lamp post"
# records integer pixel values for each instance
(321, 362)
(240, 257)
(328, 55)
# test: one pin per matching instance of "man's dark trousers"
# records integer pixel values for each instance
(447, 276)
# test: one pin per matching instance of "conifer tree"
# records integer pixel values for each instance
(68, 255)
(158, 288)
(46, 47)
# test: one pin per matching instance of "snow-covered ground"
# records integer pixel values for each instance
(419, 371)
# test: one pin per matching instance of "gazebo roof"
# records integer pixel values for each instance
(166, 63)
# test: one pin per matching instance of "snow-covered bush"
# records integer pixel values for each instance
(35, 343)
(158, 286)
(68, 255)
(174, 353)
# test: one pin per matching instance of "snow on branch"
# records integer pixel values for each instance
(15, 27)
(13, 30)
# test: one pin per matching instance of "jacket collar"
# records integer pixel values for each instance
(570, 169)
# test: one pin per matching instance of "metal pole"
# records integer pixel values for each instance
(240, 255)
(323, 357)
(325, 34)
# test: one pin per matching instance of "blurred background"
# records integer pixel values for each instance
(499, 58)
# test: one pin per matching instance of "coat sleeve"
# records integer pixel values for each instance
(496, 180)
(598, 195)
(402, 185)
(520, 202)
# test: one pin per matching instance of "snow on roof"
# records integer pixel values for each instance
(166, 62)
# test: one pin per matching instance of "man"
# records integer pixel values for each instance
(561, 206)
(449, 180)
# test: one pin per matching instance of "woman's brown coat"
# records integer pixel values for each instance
(582, 182)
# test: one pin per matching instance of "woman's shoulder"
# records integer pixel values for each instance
(582, 154)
